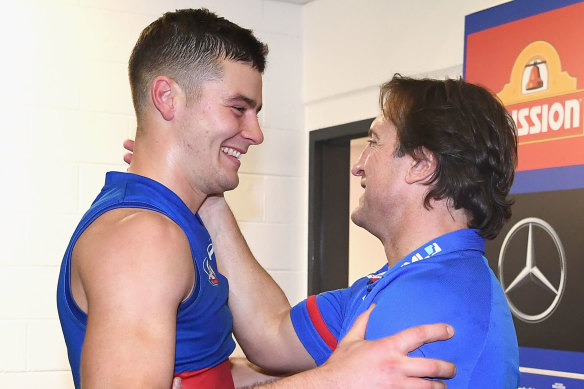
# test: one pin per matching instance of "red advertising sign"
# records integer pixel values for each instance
(535, 66)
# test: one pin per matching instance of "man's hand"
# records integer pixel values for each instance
(128, 145)
(213, 209)
(384, 363)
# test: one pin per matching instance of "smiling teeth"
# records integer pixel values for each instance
(232, 152)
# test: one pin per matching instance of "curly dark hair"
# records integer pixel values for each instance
(188, 45)
(472, 137)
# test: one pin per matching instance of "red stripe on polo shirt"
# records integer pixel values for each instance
(319, 324)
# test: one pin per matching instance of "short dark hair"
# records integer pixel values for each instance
(188, 45)
(472, 137)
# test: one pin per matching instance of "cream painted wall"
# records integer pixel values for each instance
(65, 111)
(352, 46)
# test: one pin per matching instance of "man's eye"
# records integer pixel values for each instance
(370, 140)
(240, 109)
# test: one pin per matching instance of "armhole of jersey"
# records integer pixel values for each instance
(319, 323)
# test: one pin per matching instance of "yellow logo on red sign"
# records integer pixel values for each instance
(542, 99)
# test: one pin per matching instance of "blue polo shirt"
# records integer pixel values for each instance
(447, 280)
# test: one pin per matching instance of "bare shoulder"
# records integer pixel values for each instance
(132, 251)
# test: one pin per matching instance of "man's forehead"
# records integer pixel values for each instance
(238, 81)
(377, 124)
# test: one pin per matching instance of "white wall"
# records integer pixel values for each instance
(353, 46)
(64, 112)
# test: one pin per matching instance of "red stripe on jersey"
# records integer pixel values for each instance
(319, 324)
(217, 377)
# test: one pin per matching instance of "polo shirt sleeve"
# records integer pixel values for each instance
(318, 322)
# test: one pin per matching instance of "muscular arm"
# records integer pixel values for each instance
(130, 271)
(267, 337)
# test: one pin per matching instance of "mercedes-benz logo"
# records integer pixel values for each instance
(530, 271)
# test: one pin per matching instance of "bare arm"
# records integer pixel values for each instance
(267, 337)
(246, 375)
(131, 295)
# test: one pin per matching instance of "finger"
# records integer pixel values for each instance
(412, 338)
(176, 383)
(128, 158)
(426, 367)
(420, 383)
(357, 331)
(129, 144)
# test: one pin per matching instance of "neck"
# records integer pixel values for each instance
(155, 158)
(421, 228)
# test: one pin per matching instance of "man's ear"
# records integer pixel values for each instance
(164, 96)
(422, 167)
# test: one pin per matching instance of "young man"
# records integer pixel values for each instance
(140, 297)
(436, 175)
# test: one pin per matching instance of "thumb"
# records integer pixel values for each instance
(176, 383)
(357, 331)
(129, 145)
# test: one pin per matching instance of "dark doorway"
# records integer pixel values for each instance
(328, 205)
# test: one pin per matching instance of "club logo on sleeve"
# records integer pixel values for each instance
(211, 275)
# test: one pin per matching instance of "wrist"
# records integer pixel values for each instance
(215, 213)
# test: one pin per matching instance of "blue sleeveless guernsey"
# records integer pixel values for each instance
(204, 321)
(445, 281)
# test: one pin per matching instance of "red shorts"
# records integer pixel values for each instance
(217, 377)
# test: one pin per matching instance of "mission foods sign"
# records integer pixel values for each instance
(546, 106)
(535, 65)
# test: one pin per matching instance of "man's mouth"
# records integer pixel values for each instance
(232, 152)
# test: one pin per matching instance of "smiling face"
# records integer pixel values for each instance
(219, 126)
(383, 178)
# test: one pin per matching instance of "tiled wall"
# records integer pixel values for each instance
(64, 111)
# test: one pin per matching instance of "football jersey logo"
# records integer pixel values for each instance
(211, 275)
(374, 277)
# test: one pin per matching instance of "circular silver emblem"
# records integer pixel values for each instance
(530, 272)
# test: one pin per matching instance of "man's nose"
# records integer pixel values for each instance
(253, 131)
(357, 169)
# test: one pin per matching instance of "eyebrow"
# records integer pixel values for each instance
(249, 101)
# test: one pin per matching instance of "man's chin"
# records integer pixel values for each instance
(230, 184)
(357, 217)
